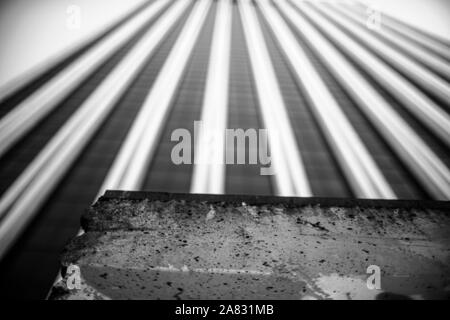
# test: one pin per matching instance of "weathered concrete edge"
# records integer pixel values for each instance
(288, 201)
(84, 245)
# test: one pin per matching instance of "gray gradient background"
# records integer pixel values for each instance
(31, 32)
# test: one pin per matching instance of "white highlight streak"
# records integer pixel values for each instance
(423, 76)
(40, 103)
(290, 175)
(434, 62)
(361, 171)
(209, 173)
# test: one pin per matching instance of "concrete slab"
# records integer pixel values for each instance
(173, 246)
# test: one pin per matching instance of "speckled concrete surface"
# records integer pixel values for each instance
(186, 248)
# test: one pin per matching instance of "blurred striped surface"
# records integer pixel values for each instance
(47, 217)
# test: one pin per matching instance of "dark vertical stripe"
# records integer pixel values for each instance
(243, 113)
(163, 174)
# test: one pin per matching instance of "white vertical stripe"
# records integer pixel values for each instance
(130, 166)
(209, 173)
(360, 169)
(290, 175)
(40, 103)
(412, 99)
(25, 196)
(433, 174)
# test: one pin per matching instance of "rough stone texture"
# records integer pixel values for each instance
(165, 246)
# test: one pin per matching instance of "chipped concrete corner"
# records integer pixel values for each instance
(162, 246)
